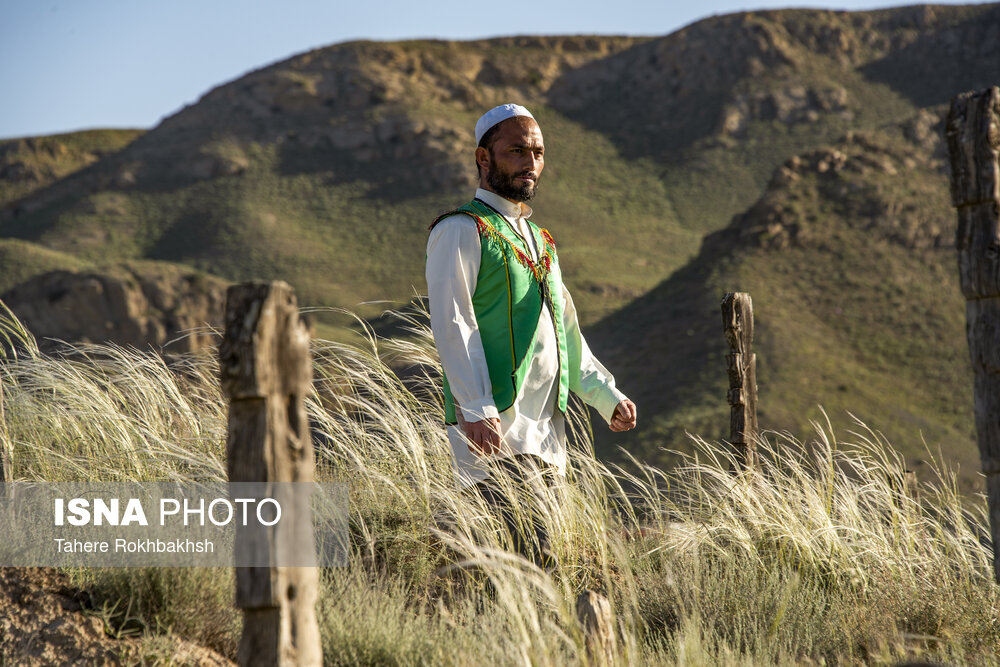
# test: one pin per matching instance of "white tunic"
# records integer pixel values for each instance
(533, 424)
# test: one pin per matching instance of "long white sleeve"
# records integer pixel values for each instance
(453, 259)
(588, 378)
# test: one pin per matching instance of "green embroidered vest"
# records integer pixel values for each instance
(510, 291)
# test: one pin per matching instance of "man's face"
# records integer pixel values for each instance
(513, 165)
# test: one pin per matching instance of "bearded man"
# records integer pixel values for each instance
(506, 329)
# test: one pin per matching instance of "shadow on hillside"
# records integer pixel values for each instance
(665, 350)
(375, 180)
(190, 236)
(944, 62)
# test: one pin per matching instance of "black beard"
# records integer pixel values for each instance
(502, 183)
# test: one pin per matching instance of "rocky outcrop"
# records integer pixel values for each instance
(149, 305)
(866, 180)
(791, 104)
(352, 103)
(718, 76)
(30, 159)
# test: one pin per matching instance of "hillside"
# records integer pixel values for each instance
(325, 168)
(29, 164)
(718, 121)
(849, 257)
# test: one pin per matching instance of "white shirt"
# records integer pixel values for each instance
(533, 424)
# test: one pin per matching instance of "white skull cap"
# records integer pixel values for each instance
(496, 115)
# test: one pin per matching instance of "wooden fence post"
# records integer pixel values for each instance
(737, 320)
(5, 471)
(594, 612)
(266, 371)
(973, 133)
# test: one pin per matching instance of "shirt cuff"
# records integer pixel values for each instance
(608, 401)
(477, 411)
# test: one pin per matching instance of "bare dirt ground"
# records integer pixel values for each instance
(43, 621)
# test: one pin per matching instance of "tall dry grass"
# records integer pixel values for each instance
(817, 556)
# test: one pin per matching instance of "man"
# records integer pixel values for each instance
(506, 328)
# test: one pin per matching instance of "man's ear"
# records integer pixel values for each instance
(483, 158)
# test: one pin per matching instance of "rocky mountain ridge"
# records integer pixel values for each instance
(143, 305)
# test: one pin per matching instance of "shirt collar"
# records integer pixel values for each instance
(511, 209)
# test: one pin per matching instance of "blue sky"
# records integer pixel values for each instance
(74, 64)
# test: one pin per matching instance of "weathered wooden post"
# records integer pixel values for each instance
(973, 133)
(266, 371)
(594, 612)
(737, 320)
(4, 455)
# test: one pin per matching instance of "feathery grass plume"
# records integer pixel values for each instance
(110, 413)
(14, 335)
(817, 555)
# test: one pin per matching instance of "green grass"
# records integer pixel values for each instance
(22, 260)
(815, 557)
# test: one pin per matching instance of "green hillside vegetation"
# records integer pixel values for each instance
(22, 260)
(850, 260)
(268, 227)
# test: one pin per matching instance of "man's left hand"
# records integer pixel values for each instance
(624, 417)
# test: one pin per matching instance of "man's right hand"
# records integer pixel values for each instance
(484, 436)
